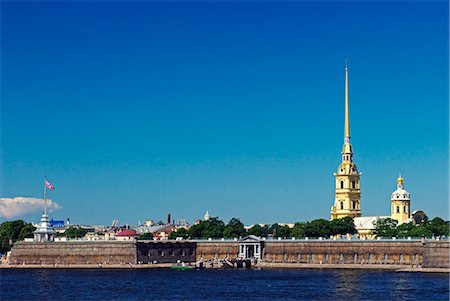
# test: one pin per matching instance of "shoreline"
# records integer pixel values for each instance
(260, 265)
(347, 266)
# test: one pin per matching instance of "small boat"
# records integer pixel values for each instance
(182, 267)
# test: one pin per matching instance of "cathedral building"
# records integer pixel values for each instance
(347, 200)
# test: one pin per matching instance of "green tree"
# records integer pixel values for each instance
(299, 230)
(12, 231)
(196, 231)
(26, 231)
(342, 226)
(257, 230)
(420, 231)
(234, 228)
(318, 228)
(438, 227)
(404, 230)
(386, 227)
(74, 232)
(182, 232)
(212, 228)
(146, 236)
(280, 231)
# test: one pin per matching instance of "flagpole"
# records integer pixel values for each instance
(45, 198)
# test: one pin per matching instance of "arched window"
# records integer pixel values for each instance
(404, 209)
(342, 205)
(398, 209)
(354, 204)
(353, 184)
(342, 184)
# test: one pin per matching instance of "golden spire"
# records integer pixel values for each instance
(347, 117)
(347, 147)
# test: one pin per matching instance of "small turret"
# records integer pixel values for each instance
(400, 202)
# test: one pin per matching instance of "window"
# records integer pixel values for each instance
(353, 184)
(342, 205)
(354, 204)
(404, 209)
(398, 209)
(342, 184)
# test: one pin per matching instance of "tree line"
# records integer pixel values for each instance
(216, 228)
(388, 228)
(13, 231)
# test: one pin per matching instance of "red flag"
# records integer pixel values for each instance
(49, 185)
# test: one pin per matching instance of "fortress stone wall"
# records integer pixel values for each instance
(436, 254)
(428, 254)
(208, 250)
(165, 251)
(74, 252)
(345, 252)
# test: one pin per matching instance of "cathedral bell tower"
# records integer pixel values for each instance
(347, 200)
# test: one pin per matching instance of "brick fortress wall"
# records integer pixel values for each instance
(74, 252)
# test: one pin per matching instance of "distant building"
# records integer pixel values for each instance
(57, 223)
(365, 225)
(163, 232)
(128, 234)
(206, 217)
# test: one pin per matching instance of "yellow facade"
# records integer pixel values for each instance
(347, 200)
(400, 203)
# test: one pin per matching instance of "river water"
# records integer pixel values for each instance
(250, 284)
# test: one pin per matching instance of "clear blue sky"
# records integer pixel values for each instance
(137, 109)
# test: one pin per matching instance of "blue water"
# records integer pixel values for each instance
(277, 284)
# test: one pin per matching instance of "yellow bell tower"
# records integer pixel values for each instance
(348, 194)
(400, 200)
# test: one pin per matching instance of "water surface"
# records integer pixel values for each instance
(252, 284)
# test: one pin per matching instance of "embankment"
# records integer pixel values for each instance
(385, 254)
